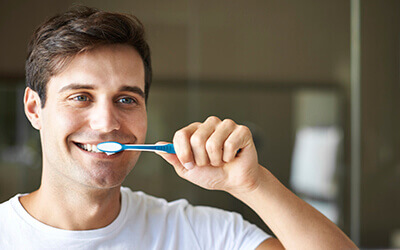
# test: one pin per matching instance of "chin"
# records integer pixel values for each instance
(103, 183)
(104, 178)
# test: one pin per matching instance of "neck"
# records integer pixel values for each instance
(73, 208)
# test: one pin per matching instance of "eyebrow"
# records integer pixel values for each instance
(73, 86)
(133, 89)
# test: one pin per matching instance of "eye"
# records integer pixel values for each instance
(127, 100)
(80, 98)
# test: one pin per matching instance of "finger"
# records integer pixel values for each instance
(183, 147)
(172, 159)
(215, 143)
(199, 139)
(240, 138)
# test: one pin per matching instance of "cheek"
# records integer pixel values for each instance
(143, 129)
(142, 126)
(62, 121)
(137, 124)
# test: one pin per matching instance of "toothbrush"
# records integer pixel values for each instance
(112, 147)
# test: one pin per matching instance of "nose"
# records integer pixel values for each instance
(104, 118)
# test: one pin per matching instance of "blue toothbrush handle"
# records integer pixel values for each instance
(168, 148)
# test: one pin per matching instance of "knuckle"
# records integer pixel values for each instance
(196, 124)
(243, 129)
(228, 123)
(213, 119)
(181, 134)
(196, 140)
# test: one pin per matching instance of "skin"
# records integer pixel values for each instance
(88, 102)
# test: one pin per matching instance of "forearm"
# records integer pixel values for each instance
(295, 223)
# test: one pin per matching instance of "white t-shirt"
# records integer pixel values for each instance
(144, 222)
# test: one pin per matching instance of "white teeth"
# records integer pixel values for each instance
(90, 148)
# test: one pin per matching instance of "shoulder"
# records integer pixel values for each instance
(10, 221)
(6, 206)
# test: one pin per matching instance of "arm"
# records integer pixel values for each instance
(296, 224)
(207, 155)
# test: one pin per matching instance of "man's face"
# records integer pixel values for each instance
(98, 97)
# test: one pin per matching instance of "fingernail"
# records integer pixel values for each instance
(188, 165)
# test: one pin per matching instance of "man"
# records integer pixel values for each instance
(88, 76)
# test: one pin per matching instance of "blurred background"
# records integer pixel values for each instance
(282, 68)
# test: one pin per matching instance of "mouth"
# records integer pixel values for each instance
(92, 148)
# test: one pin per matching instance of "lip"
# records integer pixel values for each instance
(97, 155)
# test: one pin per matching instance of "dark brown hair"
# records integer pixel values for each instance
(55, 43)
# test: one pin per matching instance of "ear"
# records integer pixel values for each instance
(32, 107)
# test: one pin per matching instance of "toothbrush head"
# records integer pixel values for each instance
(110, 147)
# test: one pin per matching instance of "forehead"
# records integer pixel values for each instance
(110, 66)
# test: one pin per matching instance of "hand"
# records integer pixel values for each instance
(207, 155)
